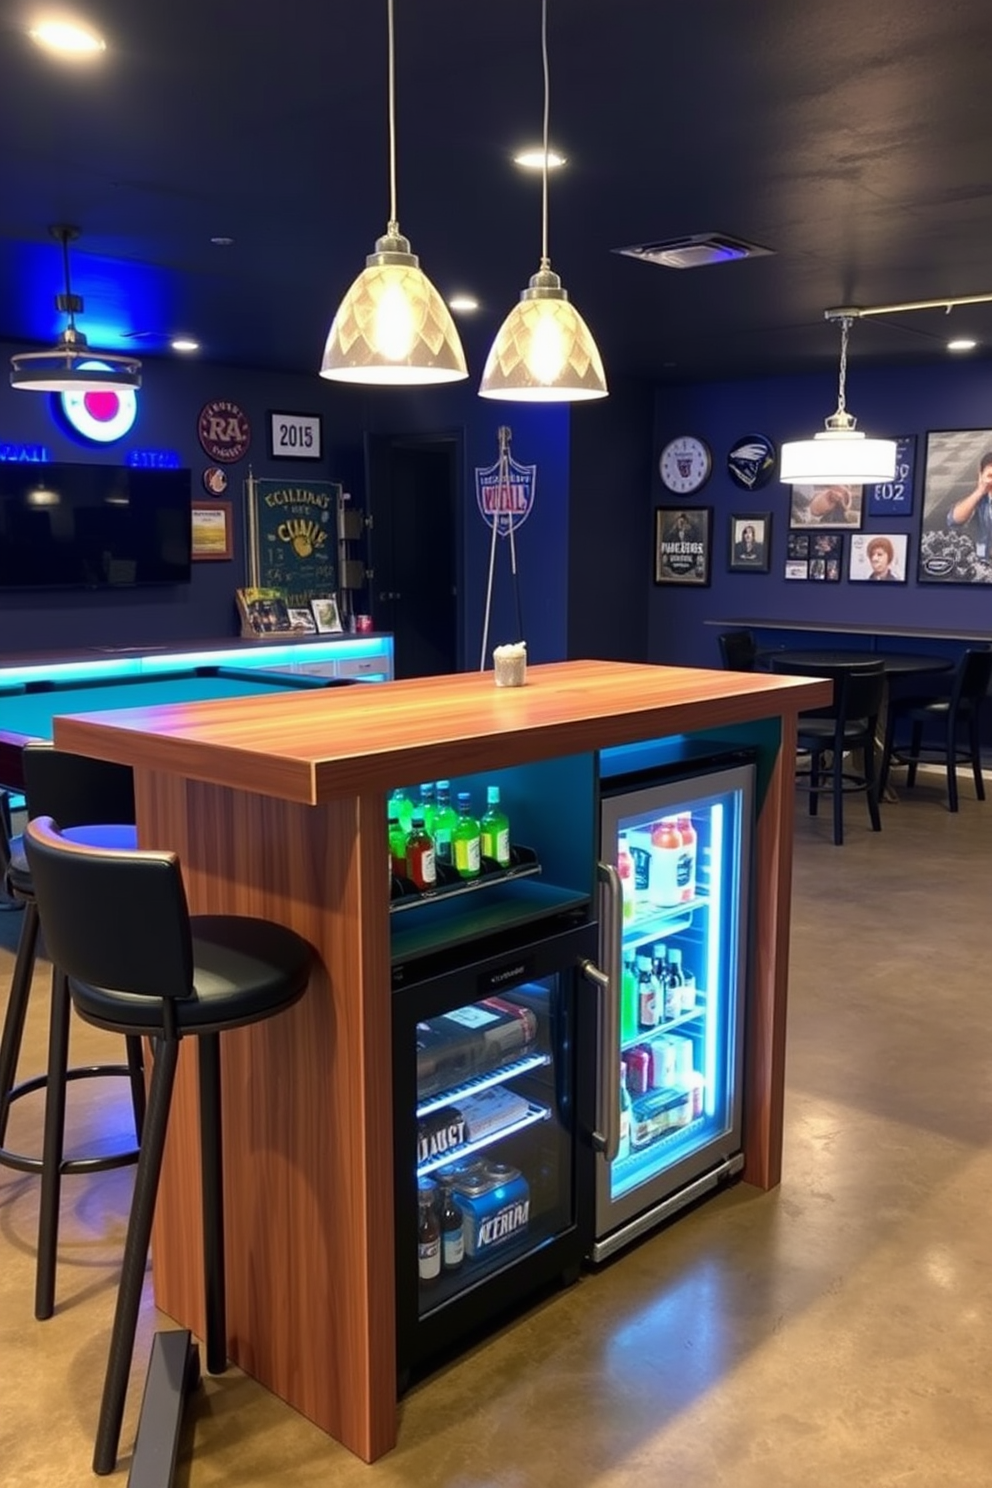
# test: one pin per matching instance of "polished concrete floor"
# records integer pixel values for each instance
(835, 1332)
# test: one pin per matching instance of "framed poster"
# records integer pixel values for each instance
(295, 436)
(894, 498)
(956, 520)
(878, 558)
(682, 545)
(837, 507)
(750, 542)
(212, 531)
(325, 614)
(814, 557)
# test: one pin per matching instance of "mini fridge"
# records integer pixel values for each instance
(664, 1059)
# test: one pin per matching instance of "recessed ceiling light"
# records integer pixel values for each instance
(463, 302)
(68, 39)
(961, 343)
(184, 343)
(222, 242)
(534, 159)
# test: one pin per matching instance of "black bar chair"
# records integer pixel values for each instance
(118, 927)
(955, 713)
(848, 727)
(95, 801)
(738, 650)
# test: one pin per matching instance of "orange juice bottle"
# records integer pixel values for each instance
(666, 851)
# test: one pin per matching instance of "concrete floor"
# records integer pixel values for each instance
(834, 1332)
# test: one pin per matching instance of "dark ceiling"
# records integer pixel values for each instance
(852, 138)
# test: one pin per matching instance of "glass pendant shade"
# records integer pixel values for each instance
(544, 351)
(843, 455)
(392, 328)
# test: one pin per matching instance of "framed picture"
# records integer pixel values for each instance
(325, 614)
(894, 498)
(750, 542)
(682, 545)
(213, 535)
(295, 436)
(878, 557)
(301, 621)
(837, 507)
(956, 521)
(825, 553)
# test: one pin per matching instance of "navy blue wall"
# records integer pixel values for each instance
(886, 402)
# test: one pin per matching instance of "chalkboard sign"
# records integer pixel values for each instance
(894, 498)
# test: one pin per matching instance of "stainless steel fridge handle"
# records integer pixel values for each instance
(606, 1136)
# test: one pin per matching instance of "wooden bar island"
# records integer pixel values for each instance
(276, 806)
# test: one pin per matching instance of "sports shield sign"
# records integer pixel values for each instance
(505, 498)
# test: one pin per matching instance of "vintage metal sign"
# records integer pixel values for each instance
(224, 431)
(505, 499)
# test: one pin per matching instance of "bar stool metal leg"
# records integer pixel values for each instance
(17, 1007)
(54, 1138)
(211, 1166)
(139, 1233)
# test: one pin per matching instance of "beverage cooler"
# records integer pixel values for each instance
(487, 980)
(664, 1062)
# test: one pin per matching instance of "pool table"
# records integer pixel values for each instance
(27, 710)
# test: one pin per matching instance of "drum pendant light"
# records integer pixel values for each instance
(841, 453)
(544, 351)
(392, 328)
(70, 366)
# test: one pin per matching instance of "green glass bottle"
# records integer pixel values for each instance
(466, 839)
(445, 817)
(495, 828)
(400, 804)
(397, 845)
(426, 806)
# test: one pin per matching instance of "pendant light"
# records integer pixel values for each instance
(544, 351)
(841, 452)
(70, 366)
(392, 328)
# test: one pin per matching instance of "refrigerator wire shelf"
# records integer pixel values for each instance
(483, 1082)
(533, 1115)
(650, 1150)
(666, 1025)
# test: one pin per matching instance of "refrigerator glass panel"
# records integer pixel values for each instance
(678, 851)
(493, 1147)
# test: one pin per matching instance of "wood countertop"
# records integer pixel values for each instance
(313, 747)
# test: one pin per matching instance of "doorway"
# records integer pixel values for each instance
(413, 488)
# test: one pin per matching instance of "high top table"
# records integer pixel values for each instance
(277, 807)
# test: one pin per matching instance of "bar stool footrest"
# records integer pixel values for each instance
(24, 1163)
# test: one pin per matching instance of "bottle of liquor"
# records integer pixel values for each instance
(427, 806)
(400, 805)
(668, 988)
(495, 829)
(687, 860)
(397, 845)
(626, 1105)
(428, 1234)
(466, 839)
(445, 817)
(452, 1231)
(420, 854)
(647, 993)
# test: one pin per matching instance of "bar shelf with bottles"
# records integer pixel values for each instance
(484, 1010)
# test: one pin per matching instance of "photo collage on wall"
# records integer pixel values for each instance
(835, 532)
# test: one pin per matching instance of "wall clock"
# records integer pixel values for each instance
(685, 465)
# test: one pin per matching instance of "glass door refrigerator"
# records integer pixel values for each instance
(675, 864)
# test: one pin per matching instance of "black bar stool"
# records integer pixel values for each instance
(95, 800)
(118, 927)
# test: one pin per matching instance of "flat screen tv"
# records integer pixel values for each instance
(93, 526)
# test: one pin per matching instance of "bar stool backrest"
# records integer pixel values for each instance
(738, 650)
(112, 918)
(74, 789)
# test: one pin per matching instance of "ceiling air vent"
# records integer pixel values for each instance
(696, 251)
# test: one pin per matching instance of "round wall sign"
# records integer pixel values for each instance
(224, 431)
(751, 462)
(214, 480)
(100, 417)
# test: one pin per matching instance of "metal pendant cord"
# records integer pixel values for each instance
(502, 497)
